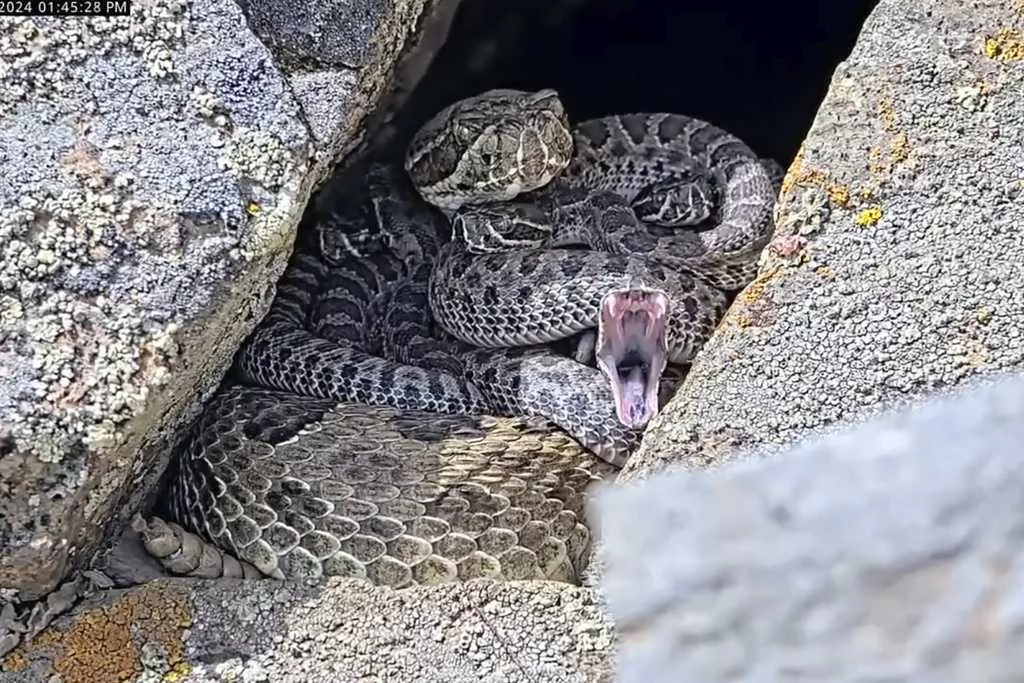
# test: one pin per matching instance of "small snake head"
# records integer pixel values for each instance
(349, 233)
(501, 227)
(346, 228)
(686, 201)
(491, 147)
(632, 350)
(372, 210)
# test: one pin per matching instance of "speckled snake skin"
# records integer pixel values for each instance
(353, 438)
(521, 188)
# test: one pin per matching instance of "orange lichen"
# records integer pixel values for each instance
(743, 319)
(839, 195)
(15, 662)
(789, 179)
(867, 193)
(900, 149)
(881, 164)
(825, 273)
(104, 643)
(876, 161)
(755, 291)
(887, 115)
(797, 175)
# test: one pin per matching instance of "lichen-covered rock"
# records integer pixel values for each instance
(155, 167)
(319, 44)
(898, 264)
(341, 631)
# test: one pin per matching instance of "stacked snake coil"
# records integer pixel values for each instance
(402, 414)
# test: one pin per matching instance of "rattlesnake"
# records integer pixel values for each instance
(295, 479)
(478, 155)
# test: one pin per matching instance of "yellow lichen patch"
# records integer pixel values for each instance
(178, 673)
(839, 195)
(253, 209)
(104, 643)
(1006, 45)
(868, 216)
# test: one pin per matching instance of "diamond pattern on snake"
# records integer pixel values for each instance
(401, 413)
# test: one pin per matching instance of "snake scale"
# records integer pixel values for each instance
(399, 415)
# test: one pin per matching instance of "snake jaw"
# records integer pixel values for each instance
(632, 350)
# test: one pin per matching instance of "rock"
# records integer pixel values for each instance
(320, 46)
(340, 631)
(155, 169)
(886, 552)
(897, 267)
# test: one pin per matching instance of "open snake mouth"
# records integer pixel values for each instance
(632, 350)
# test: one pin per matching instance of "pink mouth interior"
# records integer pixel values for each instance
(632, 351)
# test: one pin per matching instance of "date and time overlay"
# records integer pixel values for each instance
(65, 8)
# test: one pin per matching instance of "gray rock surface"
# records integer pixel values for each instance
(154, 171)
(898, 263)
(320, 45)
(229, 630)
(888, 552)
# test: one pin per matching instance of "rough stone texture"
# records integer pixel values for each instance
(888, 552)
(155, 167)
(228, 630)
(898, 263)
(320, 45)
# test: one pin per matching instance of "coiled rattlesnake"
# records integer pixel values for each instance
(329, 464)
(653, 291)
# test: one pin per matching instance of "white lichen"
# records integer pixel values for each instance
(258, 156)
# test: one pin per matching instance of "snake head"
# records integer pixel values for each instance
(365, 212)
(345, 213)
(491, 147)
(632, 350)
(501, 227)
(688, 200)
(348, 234)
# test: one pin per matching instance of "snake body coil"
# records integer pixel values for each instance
(352, 438)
